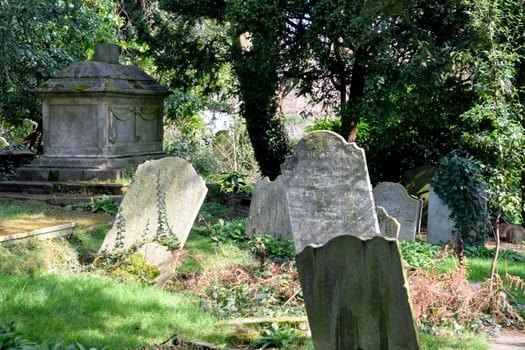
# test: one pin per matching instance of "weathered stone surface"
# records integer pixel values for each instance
(163, 200)
(356, 296)
(99, 119)
(439, 225)
(328, 190)
(352, 279)
(268, 211)
(388, 225)
(399, 204)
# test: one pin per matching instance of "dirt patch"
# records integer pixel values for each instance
(52, 217)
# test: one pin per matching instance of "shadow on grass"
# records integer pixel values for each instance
(98, 312)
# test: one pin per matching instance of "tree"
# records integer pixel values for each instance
(39, 37)
(195, 44)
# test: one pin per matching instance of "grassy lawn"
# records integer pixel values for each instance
(100, 312)
(76, 303)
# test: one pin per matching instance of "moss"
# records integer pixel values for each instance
(108, 85)
(78, 87)
(136, 268)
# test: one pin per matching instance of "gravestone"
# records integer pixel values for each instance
(439, 224)
(354, 287)
(388, 225)
(158, 210)
(268, 209)
(394, 198)
(328, 191)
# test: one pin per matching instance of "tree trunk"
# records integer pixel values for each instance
(349, 113)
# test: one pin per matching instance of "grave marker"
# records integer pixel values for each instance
(352, 279)
(394, 198)
(159, 207)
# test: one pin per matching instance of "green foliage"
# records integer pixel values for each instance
(326, 124)
(504, 254)
(40, 37)
(103, 205)
(233, 183)
(229, 231)
(277, 336)
(459, 184)
(135, 268)
(419, 254)
(196, 151)
(276, 248)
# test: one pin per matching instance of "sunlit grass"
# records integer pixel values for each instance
(97, 311)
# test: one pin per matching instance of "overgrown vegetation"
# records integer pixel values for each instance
(221, 277)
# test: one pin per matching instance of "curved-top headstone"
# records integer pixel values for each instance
(164, 199)
(394, 198)
(328, 190)
(268, 213)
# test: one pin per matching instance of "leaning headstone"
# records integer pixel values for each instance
(268, 209)
(388, 225)
(159, 207)
(328, 190)
(399, 204)
(439, 224)
(354, 287)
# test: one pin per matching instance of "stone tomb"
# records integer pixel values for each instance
(99, 119)
(352, 279)
(157, 211)
(394, 198)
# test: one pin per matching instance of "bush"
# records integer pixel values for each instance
(458, 182)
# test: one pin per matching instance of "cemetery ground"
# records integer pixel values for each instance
(225, 292)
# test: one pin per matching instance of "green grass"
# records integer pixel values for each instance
(8, 208)
(479, 268)
(97, 311)
(462, 341)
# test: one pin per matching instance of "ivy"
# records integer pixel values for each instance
(459, 184)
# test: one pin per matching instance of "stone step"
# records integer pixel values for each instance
(68, 187)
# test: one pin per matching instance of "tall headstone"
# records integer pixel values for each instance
(158, 210)
(268, 209)
(328, 190)
(352, 279)
(439, 224)
(399, 204)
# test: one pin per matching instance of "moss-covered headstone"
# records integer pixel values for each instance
(353, 283)
(157, 212)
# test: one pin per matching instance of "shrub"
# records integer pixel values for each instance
(458, 182)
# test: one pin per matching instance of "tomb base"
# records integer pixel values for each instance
(74, 168)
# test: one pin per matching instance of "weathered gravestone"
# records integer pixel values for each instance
(439, 224)
(399, 204)
(158, 211)
(353, 283)
(268, 209)
(388, 225)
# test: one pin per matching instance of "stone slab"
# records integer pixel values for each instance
(164, 198)
(328, 190)
(394, 198)
(44, 233)
(268, 210)
(439, 224)
(356, 296)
